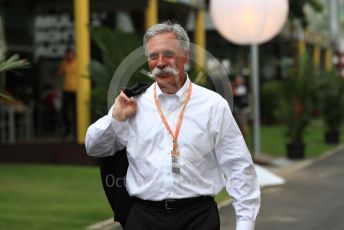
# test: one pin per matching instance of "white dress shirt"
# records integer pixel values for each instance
(213, 153)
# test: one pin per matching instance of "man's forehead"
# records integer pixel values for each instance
(163, 41)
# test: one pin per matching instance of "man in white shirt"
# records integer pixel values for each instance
(183, 145)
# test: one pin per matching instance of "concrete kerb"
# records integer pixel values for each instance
(107, 224)
(280, 166)
(284, 167)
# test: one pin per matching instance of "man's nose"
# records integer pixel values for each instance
(162, 61)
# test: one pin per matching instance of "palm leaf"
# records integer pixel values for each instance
(14, 62)
(114, 47)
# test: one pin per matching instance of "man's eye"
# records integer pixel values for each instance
(153, 56)
(169, 54)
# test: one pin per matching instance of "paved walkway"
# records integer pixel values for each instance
(311, 198)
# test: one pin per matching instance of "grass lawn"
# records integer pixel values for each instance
(50, 197)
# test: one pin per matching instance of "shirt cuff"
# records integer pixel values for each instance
(244, 225)
(118, 126)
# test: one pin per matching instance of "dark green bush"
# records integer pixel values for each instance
(271, 101)
(331, 95)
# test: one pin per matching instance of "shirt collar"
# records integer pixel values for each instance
(180, 93)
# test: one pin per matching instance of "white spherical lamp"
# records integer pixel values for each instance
(248, 21)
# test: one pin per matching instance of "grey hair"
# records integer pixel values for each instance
(168, 26)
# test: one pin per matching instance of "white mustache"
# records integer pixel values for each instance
(167, 70)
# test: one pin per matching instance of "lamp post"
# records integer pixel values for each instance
(250, 22)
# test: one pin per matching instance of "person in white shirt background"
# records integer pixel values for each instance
(183, 145)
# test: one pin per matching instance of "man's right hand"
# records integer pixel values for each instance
(124, 107)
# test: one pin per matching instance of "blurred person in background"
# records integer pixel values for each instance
(51, 107)
(67, 70)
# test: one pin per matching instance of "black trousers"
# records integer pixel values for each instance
(203, 215)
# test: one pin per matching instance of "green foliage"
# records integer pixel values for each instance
(201, 78)
(12, 63)
(297, 12)
(271, 101)
(331, 95)
(114, 47)
(273, 139)
(299, 92)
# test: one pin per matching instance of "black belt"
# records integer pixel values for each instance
(170, 204)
